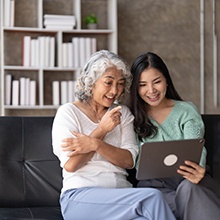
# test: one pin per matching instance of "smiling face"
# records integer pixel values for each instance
(152, 87)
(108, 87)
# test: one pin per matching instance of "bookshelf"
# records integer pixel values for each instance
(29, 21)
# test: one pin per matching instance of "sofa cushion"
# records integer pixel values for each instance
(30, 172)
(34, 213)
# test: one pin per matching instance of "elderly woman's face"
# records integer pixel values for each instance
(108, 87)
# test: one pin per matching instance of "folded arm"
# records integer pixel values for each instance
(83, 147)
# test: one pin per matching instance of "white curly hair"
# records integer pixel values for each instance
(97, 64)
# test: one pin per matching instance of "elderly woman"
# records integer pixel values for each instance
(95, 142)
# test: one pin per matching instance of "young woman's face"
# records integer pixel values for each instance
(152, 87)
(108, 87)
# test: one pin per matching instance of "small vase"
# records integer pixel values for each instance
(92, 26)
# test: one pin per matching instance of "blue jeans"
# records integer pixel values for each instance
(114, 204)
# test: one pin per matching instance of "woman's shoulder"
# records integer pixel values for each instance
(187, 110)
(186, 106)
(66, 109)
(66, 106)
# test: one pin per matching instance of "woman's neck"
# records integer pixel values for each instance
(160, 113)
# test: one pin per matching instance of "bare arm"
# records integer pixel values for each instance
(117, 156)
(76, 161)
(83, 147)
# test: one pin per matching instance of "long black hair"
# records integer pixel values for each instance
(142, 125)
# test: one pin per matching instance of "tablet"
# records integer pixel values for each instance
(162, 159)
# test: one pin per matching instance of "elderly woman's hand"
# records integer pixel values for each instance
(192, 172)
(110, 120)
(81, 144)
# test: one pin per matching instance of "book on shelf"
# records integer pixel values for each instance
(64, 54)
(94, 45)
(70, 90)
(42, 40)
(56, 92)
(32, 98)
(75, 42)
(63, 92)
(15, 92)
(8, 89)
(69, 54)
(59, 27)
(26, 50)
(59, 18)
(52, 52)
(88, 48)
(12, 13)
(77, 52)
(27, 91)
(22, 91)
(82, 51)
(33, 52)
(8, 13)
(46, 52)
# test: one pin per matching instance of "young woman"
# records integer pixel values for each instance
(95, 142)
(161, 115)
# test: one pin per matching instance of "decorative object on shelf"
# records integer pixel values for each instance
(91, 21)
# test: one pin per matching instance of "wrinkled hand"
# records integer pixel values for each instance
(111, 119)
(81, 144)
(192, 172)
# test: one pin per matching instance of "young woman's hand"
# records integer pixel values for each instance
(192, 172)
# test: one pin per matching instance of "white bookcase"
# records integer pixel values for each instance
(28, 21)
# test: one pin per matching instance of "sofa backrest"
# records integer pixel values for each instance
(30, 174)
(212, 144)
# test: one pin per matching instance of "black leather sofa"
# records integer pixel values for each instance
(30, 175)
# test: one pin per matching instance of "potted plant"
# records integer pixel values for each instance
(91, 21)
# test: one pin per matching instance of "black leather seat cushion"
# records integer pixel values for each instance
(30, 175)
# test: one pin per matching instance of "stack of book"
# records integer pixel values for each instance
(59, 22)
(20, 91)
(63, 91)
(76, 52)
(39, 52)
